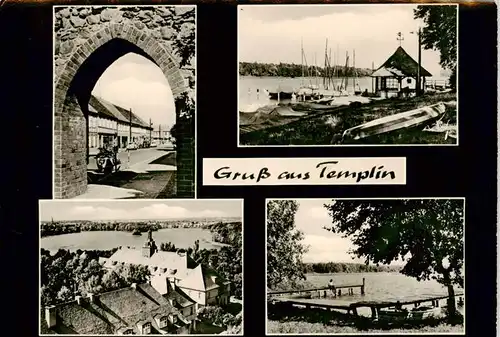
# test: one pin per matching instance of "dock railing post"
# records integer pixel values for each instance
(363, 287)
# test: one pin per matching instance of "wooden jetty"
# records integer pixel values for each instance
(351, 307)
(337, 302)
(338, 290)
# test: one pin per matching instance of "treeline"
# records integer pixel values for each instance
(227, 260)
(295, 70)
(59, 228)
(217, 316)
(48, 229)
(67, 274)
(339, 267)
(227, 233)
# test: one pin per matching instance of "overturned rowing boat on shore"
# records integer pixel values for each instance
(401, 120)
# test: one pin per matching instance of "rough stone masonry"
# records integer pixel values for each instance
(164, 34)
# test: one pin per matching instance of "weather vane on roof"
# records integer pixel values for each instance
(400, 38)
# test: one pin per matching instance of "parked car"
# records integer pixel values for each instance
(132, 146)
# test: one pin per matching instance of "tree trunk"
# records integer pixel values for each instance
(452, 309)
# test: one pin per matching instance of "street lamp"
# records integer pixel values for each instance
(419, 35)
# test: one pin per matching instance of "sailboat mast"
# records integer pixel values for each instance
(373, 91)
(315, 69)
(346, 70)
(337, 62)
(354, 60)
(329, 62)
(302, 59)
(326, 72)
(334, 63)
(354, 69)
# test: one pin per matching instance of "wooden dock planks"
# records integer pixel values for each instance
(325, 303)
(342, 286)
(349, 305)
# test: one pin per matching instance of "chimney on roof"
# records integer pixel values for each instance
(91, 297)
(50, 316)
(172, 301)
(78, 300)
(134, 285)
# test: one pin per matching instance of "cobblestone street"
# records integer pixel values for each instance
(150, 174)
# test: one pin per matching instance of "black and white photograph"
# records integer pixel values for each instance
(365, 266)
(124, 102)
(347, 75)
(140, 267)
(346, 147)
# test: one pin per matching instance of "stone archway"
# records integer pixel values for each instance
(88, 40)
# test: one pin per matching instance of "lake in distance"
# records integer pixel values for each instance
(382, 286)
(248, 86)
(105, 240)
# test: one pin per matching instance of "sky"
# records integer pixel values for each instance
(135, 82)
(273, 34)
(138, 209)
(324, 246)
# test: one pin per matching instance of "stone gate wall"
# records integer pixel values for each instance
(165, 33)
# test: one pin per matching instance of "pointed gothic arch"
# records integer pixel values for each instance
(72, 90)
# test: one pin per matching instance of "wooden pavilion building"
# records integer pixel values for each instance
(398, 74)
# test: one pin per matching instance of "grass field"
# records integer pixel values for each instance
(327, 129)
(296, 320)
(322, 328)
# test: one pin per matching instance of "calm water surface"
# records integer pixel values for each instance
(104, 240)
(248, 86)
(382, 286)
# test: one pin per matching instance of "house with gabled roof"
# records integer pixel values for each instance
(108, 121)
(175, 275)
(399, 71)
(205, 286)
(138, 309)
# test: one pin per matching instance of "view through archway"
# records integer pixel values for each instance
(131, 112)
(88, 42)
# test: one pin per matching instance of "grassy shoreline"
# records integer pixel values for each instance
(327, 128)
(296, 327)
(297, 320)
